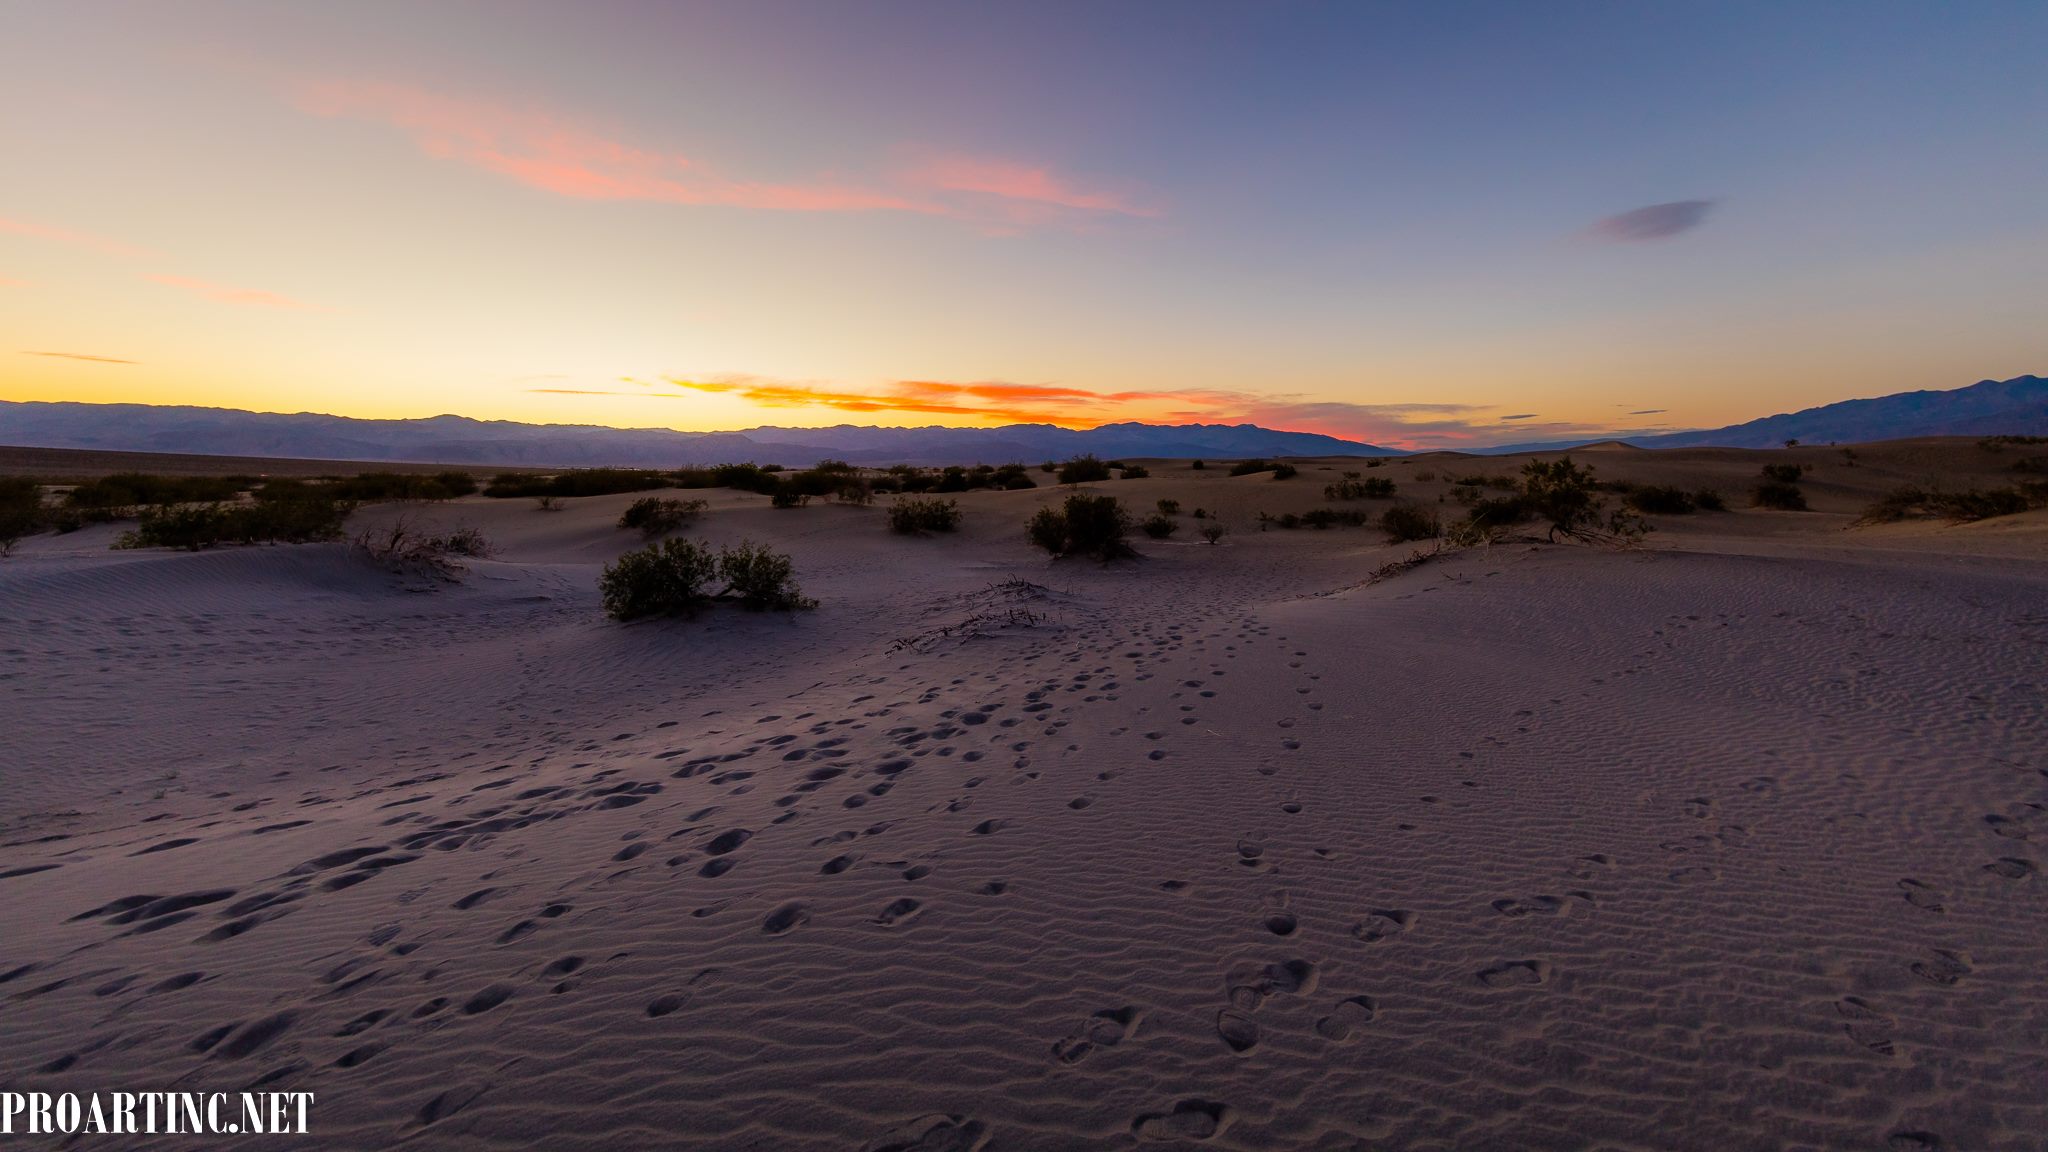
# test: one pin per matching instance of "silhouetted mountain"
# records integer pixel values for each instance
(2015, 407)
(461, 440)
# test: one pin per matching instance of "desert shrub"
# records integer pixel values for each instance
(1978, 505)
(1048, 466)
(1709, 500)
(2031, 464)
(784, 498)
(656, 516)
(1169, 507)
(1352, 488)
(1083, 469)
(1781, 496)
(1200, 513)
(1896, 505)
(401, 547)
(761, 579)
(1198, 465)
(1660, 499)
(1211, 533)
(916, 516)
(1784, 473)
(1326, 518)
(1375, 463)
(1994, 443)
(1498, 512)
(742, 477)
(1159, 525)
(580, 482)
(665, 579)
(124, 490)
(859, 493)
(380, 487)
(21, 510)
(1083, 526)
(466, 542)
(188, 526)
(304, 519)
(1249, 467)
(547, 503)
(1560, 492)
(1284, 471)
(1405, 522)
(1481, 480)
(1135, 472)
(1423, 477)
(1010, 478)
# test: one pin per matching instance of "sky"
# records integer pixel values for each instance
(1423, 224)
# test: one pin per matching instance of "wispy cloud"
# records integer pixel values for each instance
(11, 282)
(1648, 411)
(221, 293)
(548, 152)
(81, 356)
(1655, 222)
(55, 235)
(1520, 416)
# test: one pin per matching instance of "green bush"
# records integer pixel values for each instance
(124, 490)
(1248, 467)
(1709, 500)
(21, 510)
(1560, 492)
(304, 519)
(581, 482)
(1405, 522)
(1957, 507)
(917, 516)
(1783, 497)
(1198, 465)
(1660, 499)
(761, 579)
(1083, 526)
(1169, 507)
(1284, 471)
(1353, 488)
(1784, 473)
(656, 516)
(1212, 532)
(1135, 472)
(785, 498)
(1084, 469)
(665, 579)
(1159, 525)
(379, 487)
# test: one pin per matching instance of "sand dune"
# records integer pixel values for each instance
(1728, 842)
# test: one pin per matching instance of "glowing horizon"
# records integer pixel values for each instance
(1386, 224)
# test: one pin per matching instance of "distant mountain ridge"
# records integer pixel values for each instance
(2015, 407)
(462, 440)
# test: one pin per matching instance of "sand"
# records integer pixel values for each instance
(1728, 842)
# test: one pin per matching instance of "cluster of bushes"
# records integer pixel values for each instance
(1780, 488)
(1280, 469)
(1318, 518)
(675, 578)
(1666, 500)
(1084, 469)
(116, 496)
(580, 482)
(658, 516)
(918, 515)
(1994, 443)
(903, 478)
(1405, 522)
(1558, 492)
(401, 548)
(21, 510)
(1956, 507)
(1353, 488)
(295, 518)
(1083, 526)
(382, 487)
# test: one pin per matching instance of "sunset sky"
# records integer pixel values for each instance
(1429, 223)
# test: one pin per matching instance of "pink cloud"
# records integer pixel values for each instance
(11, 282)
(223, 294)
(87, 240)
(543, 151)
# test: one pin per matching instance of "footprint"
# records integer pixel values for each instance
(1188, 1120)
(1105, 1029)
(1533, 906)
(1922, 896)
(1281, 923)
(898, 912)
(785, 918)
(665, 1005)
(1248, 986)
(1516, 974)
(1945, 969)
(1866, 1025)
(1349, 1015)
(1381, 923)
(1238, 1030)
(934, 1133)
(2011, 867)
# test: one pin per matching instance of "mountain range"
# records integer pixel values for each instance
(2018, 406)
(2015, 407)
(462, 440)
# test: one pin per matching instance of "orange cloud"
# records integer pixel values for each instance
(87, 240)
(80, 356)
(226, 295)
(1025, 183)
(546, 152)
(999, 402)
(11, 282)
